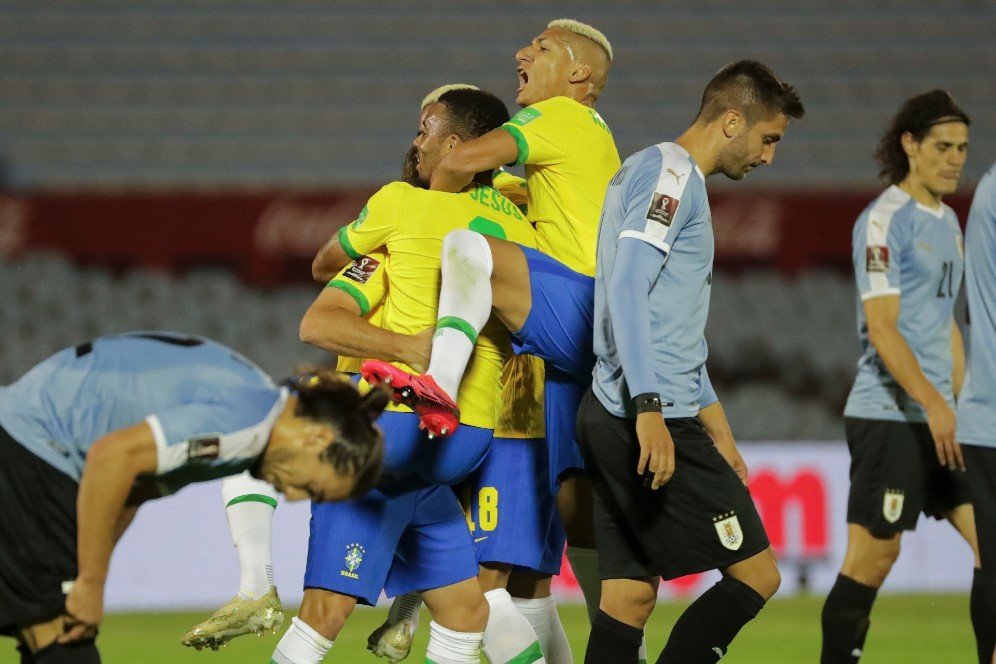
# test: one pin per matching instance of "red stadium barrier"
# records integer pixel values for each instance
(270, 238)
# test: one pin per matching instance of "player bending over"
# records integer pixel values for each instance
(93, 431)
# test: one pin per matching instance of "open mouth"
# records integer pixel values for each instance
(523, 78)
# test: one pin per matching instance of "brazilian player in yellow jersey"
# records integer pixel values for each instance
(544, 298)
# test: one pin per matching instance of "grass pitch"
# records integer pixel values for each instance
(913, 629)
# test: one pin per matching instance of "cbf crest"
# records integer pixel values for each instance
(728, 528)
(892, 505)
(354, 557)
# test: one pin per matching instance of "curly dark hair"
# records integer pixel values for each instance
(326, 397)
(917, 116)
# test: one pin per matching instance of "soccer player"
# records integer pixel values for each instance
(93, 431)
(543, 296)
(977, 404)
(411, 532)
(899, 417)
(668, 501)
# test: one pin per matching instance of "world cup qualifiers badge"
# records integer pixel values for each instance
(354, 556)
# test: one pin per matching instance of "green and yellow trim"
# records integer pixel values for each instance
(520, 142)
(347, 245)
(353, 292)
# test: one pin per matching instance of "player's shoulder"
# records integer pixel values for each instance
(394, 190)
(890, 209)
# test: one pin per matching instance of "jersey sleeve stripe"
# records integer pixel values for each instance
(168, 456)
(520, 142)
(657, 242)
(879, 291)
(347, 245)
(353, 292)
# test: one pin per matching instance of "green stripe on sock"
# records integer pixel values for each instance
(457, 324)
(531, 654)
(253, 498)
(361, 300)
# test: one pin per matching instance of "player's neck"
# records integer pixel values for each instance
(920, 193)
(700, 147)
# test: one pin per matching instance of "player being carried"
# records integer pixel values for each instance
(542, 295)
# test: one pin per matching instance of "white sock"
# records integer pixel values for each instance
(249, 506)
(301, 645)
(642, 655)
(584, 562)
(508, 635)
(405, 607)
(464, 306)
(542, 615)
(449, 647)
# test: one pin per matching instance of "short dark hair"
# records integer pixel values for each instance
(917, 115)
(327, 398)
(473, 113)
(751, 88)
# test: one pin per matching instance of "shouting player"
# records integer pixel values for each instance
(93, 431)
(641, 419)
(899, 418)
(977, 404)
(543, 296)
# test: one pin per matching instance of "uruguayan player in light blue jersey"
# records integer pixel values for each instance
(899, 418)
(977, 401)
(651, 411)
(95, 430)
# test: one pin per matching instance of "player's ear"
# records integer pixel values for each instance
(909, 144)
(733, 123)
(580, 73)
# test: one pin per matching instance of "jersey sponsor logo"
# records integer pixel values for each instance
(362, 269)
(877, 258)
(662, 209)
(673, 173)
(203, 448)
(525, 116)
(892, 505)
(620, 174)
(728, 528)
(353, 559)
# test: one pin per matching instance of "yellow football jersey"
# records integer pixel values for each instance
(365, 280)
(570, 156)
(512, 187)
(410, 223)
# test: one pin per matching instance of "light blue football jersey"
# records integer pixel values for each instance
(211, 410)
(907, 249)
(977, 402)
(658, 196)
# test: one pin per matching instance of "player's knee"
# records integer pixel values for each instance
(629, 603)
(326, 612)
(81, 652)
(470, 617)
(468, 248)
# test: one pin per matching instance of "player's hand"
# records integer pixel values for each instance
(419, 350)
(656, 448)
(728, 448)
(84, 611)
(942, 423)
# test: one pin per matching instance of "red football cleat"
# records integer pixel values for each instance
(437, 413)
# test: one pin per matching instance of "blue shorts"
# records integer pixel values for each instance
(561, 400)
(412, 461)
(401, 543)
(513, 512)
(561, 318)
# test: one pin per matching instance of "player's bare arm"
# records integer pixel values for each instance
(958, 359)
(883, 332)
(112, 466)
(458, 167)
(713, 418)
(329, 260)
(334, 322)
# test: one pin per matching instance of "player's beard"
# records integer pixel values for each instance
(409, 170)
(734, 158)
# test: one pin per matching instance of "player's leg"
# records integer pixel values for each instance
(980, 464)
(890, 464)
(617, 629)
(532, 595)
(435, 555)
(249, 507)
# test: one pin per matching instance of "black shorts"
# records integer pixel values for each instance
(702, 519)
(895, 476)
(980, 464)
(37, 536)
